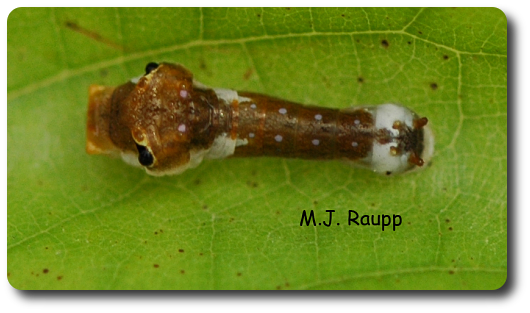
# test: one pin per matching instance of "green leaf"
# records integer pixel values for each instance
(89, 222)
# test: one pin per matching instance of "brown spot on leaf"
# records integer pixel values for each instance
(182, 271)
(434, 86)
(447, 220)
(360, 79)
(450, 228)
(202, 64)
(248, 73)
(451, 272)
(446, 57)
(181, 250)
(238, 274)
(384, 43)
(156, 265)
(45, 271)
(59, 277)
(252, 184)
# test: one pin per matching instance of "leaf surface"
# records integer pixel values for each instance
(87, 222)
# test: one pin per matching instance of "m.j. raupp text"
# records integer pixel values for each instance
(382, 220)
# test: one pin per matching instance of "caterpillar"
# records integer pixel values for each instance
(166, 122)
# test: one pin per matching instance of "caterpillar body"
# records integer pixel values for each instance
(166, 122)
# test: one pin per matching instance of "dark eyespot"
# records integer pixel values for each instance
(144, 156)
(151, 66)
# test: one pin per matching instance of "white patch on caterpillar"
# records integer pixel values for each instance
(222, 147)
(135, 80)
(382, 161)
(130, 158)
(241, 142)
(228, 95)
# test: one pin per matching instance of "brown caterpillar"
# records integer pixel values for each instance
(166, 122)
